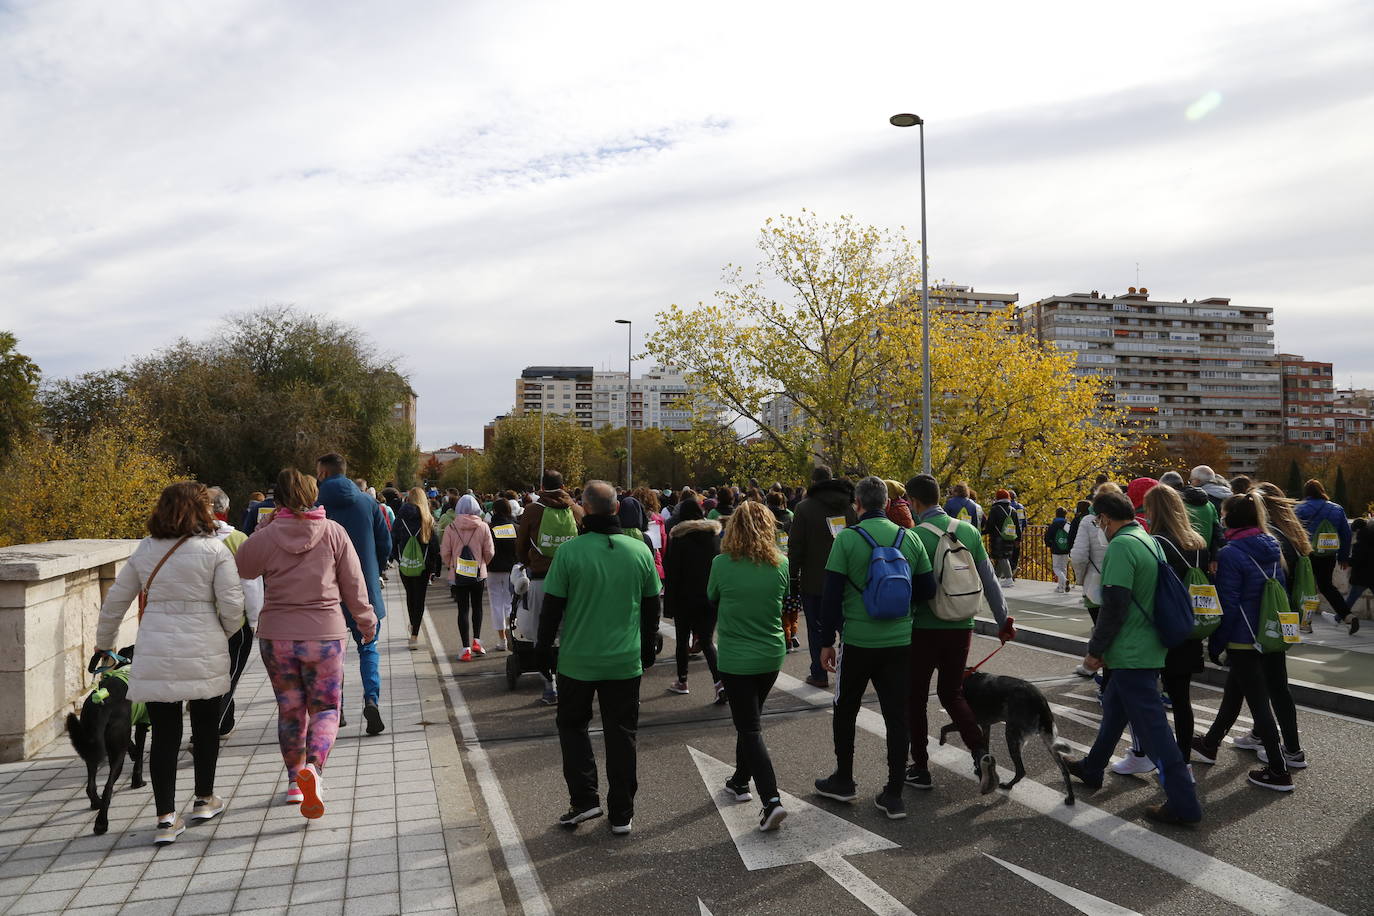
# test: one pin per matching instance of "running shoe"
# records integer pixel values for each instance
(1075, 768)
(678, 687)
(986, 770)
(467, 656)
(772, 816)
(477, 647)
(833, 786)
(312, 792)
(721, 698)
(795, 642)
(622, 829)
(1133, 764)
(740, 790)
(293, 794)
(918, 779)
(1203, 752)
(413, 643)
(1248, 742)
(373, 715)
(205, 808)
(890, 803)
(168, 830)
(1269, 779)
(575, 815)
(1295, 760)
(550, 697)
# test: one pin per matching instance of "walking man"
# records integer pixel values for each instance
(546, 525)
(826, 511)
(603, 589)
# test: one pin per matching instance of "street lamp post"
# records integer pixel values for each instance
(911, 120)
(629, 383)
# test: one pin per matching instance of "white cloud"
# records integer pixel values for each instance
(483, 186)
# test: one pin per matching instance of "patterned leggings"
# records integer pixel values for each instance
(307, 676)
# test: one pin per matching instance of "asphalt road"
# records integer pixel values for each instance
(1256, 851)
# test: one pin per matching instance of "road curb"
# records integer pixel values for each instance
(1345, 702)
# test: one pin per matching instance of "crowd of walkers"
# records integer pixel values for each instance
(884, 577)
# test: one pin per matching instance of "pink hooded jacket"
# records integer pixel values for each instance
(467, 530)
(308, 566)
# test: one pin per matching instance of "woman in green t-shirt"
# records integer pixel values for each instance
(747, 584)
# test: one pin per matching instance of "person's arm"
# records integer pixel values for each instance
(796, 549)
(992, 591)
(115, 607)
(522, 537)
(448, 547)
(555, 603)
(923, 586)
(252, 600)
(832, 607)
(348, 571)
(381, 535)
(488, 546)
(1343, 529)
(228, 589)
(1080, 552)
(251, 558)
(649, 607)
(1111, 617)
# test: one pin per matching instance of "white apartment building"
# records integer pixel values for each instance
(656, 400)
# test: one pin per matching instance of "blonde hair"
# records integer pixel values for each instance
(1108, 487)
(420, 500)
(1169, 518)
(296, 491)
(751, 534)
(1282, 517)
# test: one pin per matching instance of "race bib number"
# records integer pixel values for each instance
(468, 569)
(264, 512)
(1205, 600)
(782, 542)
(503, 531)
(1288, 621)
(655, 538)
(1310, 603)
(836, 524)
(1328, 541)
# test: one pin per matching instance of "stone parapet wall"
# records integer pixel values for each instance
(50, 597)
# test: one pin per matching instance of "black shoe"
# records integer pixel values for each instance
(343, 720)
(1271, 779)
(1354, 624)
(833, 786)
(575, 815)
(1161, 814)
(796, 643)
(890, 803)
(819, 682)
(772, 816)
(986, 769)
(739, 790)
(1075, 768)
(918, 779)
(373, 715)
(1203, 752)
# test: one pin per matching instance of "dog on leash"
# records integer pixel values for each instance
(1020, 704)
(103, 731)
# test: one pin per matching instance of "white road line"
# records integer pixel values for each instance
(861, 887)
(1079, 900)
(1248, 891)
(528, 887)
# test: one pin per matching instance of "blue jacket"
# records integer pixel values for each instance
(975, 511)
(1312, 512)
(1243, 565)
(362, 518)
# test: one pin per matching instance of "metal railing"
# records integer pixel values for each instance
(1035, 562)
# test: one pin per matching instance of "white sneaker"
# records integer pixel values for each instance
(168, 831)
(206, 808)
(1083, 672)
(1133, 764)
(1248, 742)
(1296, 761)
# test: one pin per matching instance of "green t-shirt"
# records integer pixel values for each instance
(923, 618)
(850, 555)
(1132, 561)
(749, 597)
(603, 577)
(1204, 519)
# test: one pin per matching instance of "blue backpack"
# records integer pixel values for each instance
(887, 592)
(1173, 617)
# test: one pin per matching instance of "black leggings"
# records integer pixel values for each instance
(1253, 679)
(166, 746)
(1323, 568)
(747, 693)
(702, 623)
(1179, 689)
(468, 596)
(415, 587)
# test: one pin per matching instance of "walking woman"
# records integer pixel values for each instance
(503, 537)
(1251, 556)
(191, 602)
(748, 581)
(1329, 530)
(694, 543)
(309, 567)
(467, 549)
(414, 521)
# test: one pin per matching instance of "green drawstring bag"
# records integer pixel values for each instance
(1278, 623)
(1304, 598)
(1206, 604)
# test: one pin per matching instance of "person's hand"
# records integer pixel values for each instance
(1008, 631)
(1212, 568)
(647, 656)
(1092, 663)
(1345, 564)
(828, 658)
(101, 659)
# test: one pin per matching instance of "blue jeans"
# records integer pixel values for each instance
(811, 607)
(1354, 595)
(369, 660)
(1132, 697)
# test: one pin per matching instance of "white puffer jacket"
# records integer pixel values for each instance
(194, 606)
(1088, 552)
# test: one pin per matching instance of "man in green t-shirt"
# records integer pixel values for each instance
(874, 649)
(940, 645)
(603, 589)
(1124, 638)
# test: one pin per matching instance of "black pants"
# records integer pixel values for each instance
(702, 622)
(619, 723)
(415, 588)
(166, 746)
(887, 669)
(1179, 688)
(747, 693)
(467, 594)
(1323, 568)
(1248, 679)
(240, 651)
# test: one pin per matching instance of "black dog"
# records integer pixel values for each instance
(104, 731)
(1020, 704)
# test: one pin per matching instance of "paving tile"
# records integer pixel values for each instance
(324, 852)
(317, 891)
(321, 871)
(50, 902)
(171, 868)
(232, 861)
(412, 842)
(374, 905)
(160, 888)
(54, 881)
(437, 876)
(319, 908)
(210, 904)
(101, 894)
(251, 898)
(428, 899)
(377, 883)
(266, 877)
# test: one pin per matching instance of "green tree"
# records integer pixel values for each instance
(19, 411)
(73, 406)
(1294, 489)
(1339, 493)
(514, 453)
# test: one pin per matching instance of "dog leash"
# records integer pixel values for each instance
(968, 671)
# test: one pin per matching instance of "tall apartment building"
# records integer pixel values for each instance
(1309, 408)
(656, 400)
(954, 297)
(1202, 366)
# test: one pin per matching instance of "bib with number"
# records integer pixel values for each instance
(468, 569)
(503, 531)
(1328, 542)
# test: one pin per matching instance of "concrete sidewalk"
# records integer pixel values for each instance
(399, 833)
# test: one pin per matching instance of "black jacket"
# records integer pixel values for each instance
(503, 560)
(999, 548)
(692, 546)
(809, 541)
(1362, 558)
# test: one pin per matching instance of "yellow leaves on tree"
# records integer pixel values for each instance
(100, 485)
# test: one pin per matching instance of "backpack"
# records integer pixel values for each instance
(1202, 594)
(412, 562)
(887, 591)
(1327, 542)
(1009, 529)
(556, 528)
(1278, 624)
(1061, 539)
(1304, 597)
(958, 587)
(465, 565)
(1173, 618)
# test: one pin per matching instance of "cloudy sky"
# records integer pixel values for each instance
(485, 186)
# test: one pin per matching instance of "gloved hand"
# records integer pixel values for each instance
(1008, 631)
(101, 659)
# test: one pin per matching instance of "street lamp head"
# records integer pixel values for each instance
(905, 120)
(622, 321)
